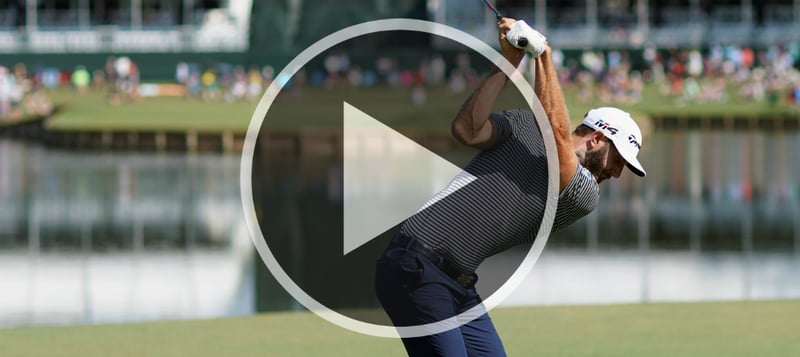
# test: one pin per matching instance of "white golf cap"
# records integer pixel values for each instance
(622, 130)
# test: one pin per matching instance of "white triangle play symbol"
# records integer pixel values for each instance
(387, 177)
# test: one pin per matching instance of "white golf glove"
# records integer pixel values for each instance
(536, 41)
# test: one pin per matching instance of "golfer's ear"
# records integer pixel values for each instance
(595, 138)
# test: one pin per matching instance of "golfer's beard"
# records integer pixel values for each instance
(594, 161)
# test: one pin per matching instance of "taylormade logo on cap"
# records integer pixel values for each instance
(605, 126)
(622, 130)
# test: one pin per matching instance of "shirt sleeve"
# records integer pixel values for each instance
(503, 124)
(578, 199)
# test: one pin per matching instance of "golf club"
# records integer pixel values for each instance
(522, 41)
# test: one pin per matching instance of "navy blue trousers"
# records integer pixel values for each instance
(414, 291)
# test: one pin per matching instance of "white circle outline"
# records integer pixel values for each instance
(398, 24)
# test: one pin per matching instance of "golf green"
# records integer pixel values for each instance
(91, 112)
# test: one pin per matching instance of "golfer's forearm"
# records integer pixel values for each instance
(548, 90)
(471, 125)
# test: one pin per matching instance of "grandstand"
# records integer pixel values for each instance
(86, 26)
(633, 23)
(160, 34)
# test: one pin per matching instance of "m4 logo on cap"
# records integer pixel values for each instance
(603, 125)
(632, 140)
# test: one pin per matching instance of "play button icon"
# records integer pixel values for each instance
(320, 218)
(371, 146)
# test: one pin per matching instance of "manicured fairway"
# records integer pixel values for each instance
(91, 112)
(675, 329)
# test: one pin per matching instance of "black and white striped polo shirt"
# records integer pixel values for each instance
(473, 219)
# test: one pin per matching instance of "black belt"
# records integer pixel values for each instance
(435, 257)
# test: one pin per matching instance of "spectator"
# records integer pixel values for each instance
(134, 79)
(194, 88)
(111, 79)
(49, 77)
(458, 83)
(21, 93)
(238, 90)
(98, 79)
(268, 74)
(182, 73)
(585, 87)
(21, 78)
(464, 65)
(695, 66)
(80, 80)
(255, 84)
(120, 69)
(5, 92)
(210, 85)
(438, 71)
(385, 67)
(636, 87)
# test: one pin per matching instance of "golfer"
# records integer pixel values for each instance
(427, 274)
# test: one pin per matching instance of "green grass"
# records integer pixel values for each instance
(317, 107)
(679, 329)
(92, 112)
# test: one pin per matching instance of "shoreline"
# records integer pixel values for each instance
(314, 141)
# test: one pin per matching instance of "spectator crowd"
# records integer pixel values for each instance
(719, 74)
(21, 92)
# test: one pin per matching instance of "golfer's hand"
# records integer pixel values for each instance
(511, 53)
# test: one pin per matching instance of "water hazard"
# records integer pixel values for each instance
(113, 237)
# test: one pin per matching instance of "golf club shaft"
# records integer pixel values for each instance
(522, 41)
(491, 7)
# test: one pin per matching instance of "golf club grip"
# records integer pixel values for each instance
(522, 41)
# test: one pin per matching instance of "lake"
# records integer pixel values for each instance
(98, 237)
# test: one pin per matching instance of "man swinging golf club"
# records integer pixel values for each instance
(427, 273)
